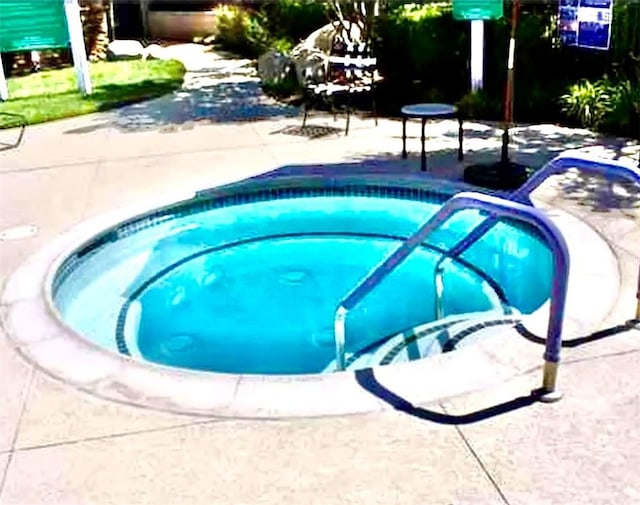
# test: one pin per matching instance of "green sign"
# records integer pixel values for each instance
(472, 10)
(27, 25)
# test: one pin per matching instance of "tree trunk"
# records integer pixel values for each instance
(96, 28)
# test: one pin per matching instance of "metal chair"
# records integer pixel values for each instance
(351, 71)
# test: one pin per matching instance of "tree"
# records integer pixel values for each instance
(360, 14)
(95, 14)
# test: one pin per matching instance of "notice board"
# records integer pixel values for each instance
(586, 23)
(27, 25)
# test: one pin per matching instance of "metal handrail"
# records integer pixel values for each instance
(499, 207)
(558, 165)
(519, 199)
(586, 163)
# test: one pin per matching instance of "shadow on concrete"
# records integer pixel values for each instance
(226, 102)
(601, 194)
(535, 146)
(215, 95)
(367, 380)
(372, 165)
(441, 164)
(577, 342)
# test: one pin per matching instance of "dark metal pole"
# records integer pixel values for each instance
(508, 100)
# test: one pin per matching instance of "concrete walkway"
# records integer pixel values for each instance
(61, 446)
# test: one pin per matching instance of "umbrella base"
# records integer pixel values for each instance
(507, 176)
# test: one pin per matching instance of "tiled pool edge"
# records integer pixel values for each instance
(51, 346)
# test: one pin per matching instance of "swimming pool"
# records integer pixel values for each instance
(247, 281)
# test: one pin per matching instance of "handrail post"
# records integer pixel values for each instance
(439, 287)
(589, 164)
(499, 207)
(339, 333)
(516, 208)
(558, 246)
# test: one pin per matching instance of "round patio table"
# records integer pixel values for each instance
(426, 111)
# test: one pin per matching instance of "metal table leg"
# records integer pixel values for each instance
(460, 135)
(423, 159)
(404, 138)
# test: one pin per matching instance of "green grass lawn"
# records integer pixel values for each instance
(53, 94)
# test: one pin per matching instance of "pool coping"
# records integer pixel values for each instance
(39, 335)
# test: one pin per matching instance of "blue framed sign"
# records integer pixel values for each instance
(586, 23)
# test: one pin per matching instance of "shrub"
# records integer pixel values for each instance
(421, 47)
(282, 45)
(623, 115)
(239, 31)
(282, 88)
(294, 20)
(587, 102)
(480, 105)
(604, 105)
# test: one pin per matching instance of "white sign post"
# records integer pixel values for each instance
(477, 55)
(4, 91)
(76, 37)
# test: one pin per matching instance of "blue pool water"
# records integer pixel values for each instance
(253, 287)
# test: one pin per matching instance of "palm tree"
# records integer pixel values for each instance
(95, 15)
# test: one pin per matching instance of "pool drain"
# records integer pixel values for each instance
(177, 343)
(293, 277)
(18, 232)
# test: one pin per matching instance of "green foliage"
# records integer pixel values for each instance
(479, 105)
(282, 88)
(587, 102)
(53, 94)
(625, 39)
(419, 12)
(240, 31)
(423, 44)
(294, 20)
(424, 53)
(623, 115)
(282, 45)
(273, 24)
(613, 107)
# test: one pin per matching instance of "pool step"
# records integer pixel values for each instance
(436, 337)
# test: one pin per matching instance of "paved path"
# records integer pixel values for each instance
(61, 446)
(216, 89)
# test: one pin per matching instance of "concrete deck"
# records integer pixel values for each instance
(495, 446)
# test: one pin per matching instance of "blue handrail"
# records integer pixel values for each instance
(583, 162)
(497, 206)
(558, 165)
(517, 209)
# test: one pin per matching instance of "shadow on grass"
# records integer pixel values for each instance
(113, 96)
(109, 96)
(42, 108)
